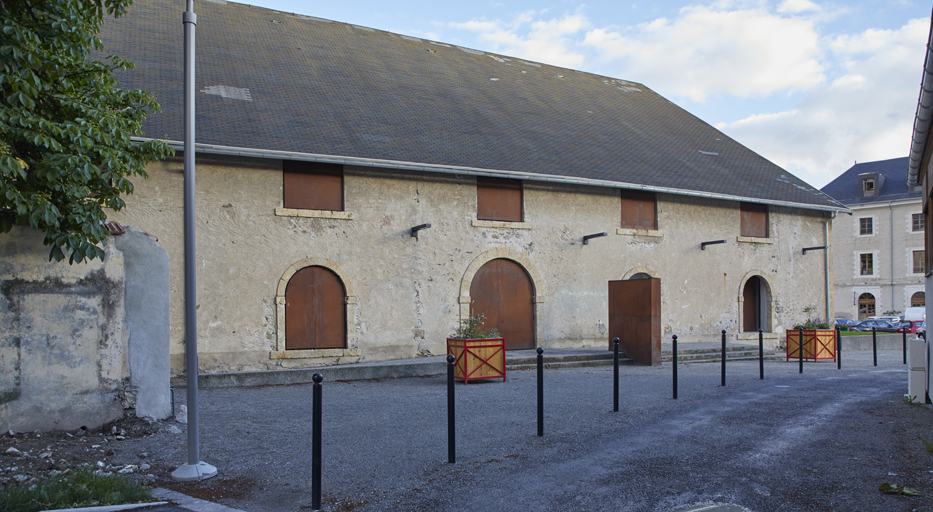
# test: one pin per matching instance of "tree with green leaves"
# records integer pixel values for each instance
(65, 125)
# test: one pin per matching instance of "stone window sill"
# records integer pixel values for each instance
(499, 224)
(314, 353)
(754, 240)
(640, 232)
(313, 214)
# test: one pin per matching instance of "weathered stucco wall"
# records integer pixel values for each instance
(65, 343)
(892, 245)
(406, 295)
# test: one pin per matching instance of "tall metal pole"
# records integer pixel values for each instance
(194, 469)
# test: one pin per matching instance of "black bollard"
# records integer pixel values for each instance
(761, 355)
(316, 442)
(905, 345)
(540, 392)
(724, 358)
(674, 339)
(838, 348)
(451, 428)
(615, 375)
(874, 344)
(800, 348)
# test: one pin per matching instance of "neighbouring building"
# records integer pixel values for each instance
(566, 207)
(878, 252)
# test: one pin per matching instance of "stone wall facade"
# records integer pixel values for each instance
(891, 245)
(405, 295)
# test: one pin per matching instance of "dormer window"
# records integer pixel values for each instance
(871, 184)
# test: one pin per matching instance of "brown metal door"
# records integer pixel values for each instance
(502, 290)
(751, 305)
(635, 318)
(315, 315)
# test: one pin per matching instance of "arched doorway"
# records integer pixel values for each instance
(866, 306)
(756, 298)
(502, 290)
(918, 300)
(315, 314)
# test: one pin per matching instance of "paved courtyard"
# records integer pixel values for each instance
(824, 440)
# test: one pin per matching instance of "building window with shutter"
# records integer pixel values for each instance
(866, 226)
(499, 199)
(754, 220)
(639, 210)
(917, 223)
(866, 265)
(312, 186)
(919, 261)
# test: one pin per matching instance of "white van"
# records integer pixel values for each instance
(915, 314)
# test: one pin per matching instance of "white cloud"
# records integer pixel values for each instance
(550, 41)
(798, 6)
(710, 50)
(866, 114)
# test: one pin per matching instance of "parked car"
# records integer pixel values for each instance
(893, 319)
(879, 325)
(912, 326)
(844, 321)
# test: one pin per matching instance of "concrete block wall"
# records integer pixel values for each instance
(81, 343)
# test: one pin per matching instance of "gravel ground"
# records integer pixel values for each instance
(824, 440)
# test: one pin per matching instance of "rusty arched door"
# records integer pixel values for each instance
(502, 290)
(315, 314)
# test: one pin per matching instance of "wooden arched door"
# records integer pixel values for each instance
(315, 311)
(502, 290)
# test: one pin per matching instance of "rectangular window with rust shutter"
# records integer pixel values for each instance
(639, 210)
(919, 261)
(754, 220)
(498, 199)
(866, 264)
(312, 186)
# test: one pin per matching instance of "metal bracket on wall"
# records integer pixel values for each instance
(416, 229)
(818, 248)
(586, 239)
(714, 242)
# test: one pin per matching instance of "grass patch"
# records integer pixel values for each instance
(861, 333)
(75, 488)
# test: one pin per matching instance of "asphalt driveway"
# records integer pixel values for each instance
(824, 440)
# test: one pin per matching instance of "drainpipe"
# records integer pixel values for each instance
(891, 214)
(829, 312)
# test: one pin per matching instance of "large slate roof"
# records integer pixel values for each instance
(281, 82)
(845, 188)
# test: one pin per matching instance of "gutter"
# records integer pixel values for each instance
(923, 120)
(475, 171)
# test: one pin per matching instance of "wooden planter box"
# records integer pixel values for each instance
(478, 359)
(817, 344)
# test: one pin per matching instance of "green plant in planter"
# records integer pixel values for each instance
(473, 329)
(814, 322)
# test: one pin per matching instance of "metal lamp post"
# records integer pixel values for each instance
(195, 469)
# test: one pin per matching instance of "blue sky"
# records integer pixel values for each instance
(813, 86)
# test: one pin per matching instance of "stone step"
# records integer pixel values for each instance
(568, 364)
(528, 360)
(715, 355)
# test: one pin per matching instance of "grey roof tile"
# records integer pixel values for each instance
(845, 188)
(329, 88)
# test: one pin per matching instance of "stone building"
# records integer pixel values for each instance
(878, 252)
(321, 145)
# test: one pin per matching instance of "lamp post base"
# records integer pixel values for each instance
(194, 472)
